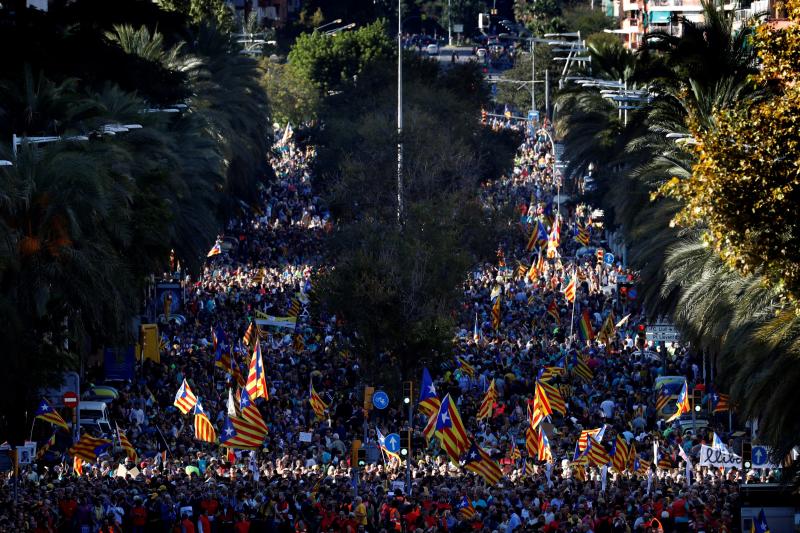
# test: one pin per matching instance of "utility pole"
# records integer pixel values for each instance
(547, 98)
(399, 114)
(449, 26)
(533, 75)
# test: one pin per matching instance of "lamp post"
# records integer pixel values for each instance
(555, 164)
(331, 23)
(399, 114)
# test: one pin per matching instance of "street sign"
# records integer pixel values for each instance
(380, 400)
(533, 116)
(662, 332)
(632, 294)
(70, 399)
(761, 457)
(458, 28)
(608, 258)
(392, 443)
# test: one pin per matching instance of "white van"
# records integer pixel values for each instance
(432, 49)
(94, 414)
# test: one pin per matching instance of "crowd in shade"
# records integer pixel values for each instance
(545, 417)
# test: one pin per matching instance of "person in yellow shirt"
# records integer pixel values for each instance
(361, 512)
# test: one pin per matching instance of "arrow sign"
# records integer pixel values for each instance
(380, 400)
(392, 443)
(761, 457)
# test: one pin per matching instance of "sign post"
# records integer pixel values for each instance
(71, 402)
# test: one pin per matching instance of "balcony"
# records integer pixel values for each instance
(675, 5)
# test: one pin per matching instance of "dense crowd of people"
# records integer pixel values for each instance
(302, 478)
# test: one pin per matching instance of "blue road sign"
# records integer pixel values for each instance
(608, 258)
(761, 457)
(533, 116)
(380, 399)
(632, 294)
(392, 442)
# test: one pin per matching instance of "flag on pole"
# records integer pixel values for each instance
(682, 403)
(550, 398)
(607, 330)
(537, 268)
(619, 454)
(317, 404)
(451, 429)
(570, 289)
(549, 372)
(583, 438)
(126, 445)
(465, 508)
(497, 312)
(185, 399)
(532, 442)
(46, 446)
(552, 310)
(429, 402)
(256, 379)
(584, 234)
(203, 429)
(89, 448)
(545, 453)
(535, 413)
(596, 453)
(485, 411)
(235, 434)
(716, 442)
(251, 334)
(465, 367)
(759, 524)
(476, 460)
(46, 412)
(581, 369)
(215, 250)
(250, 412)
(585, 326)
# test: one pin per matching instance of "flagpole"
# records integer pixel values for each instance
(34, 422)
(572, 318)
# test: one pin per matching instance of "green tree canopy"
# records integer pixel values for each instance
(333, 61)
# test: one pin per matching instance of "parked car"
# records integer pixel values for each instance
(432, 49)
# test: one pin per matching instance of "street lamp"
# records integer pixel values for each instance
(341, 28)
(400, 121)
(555, 165)
(331, 23)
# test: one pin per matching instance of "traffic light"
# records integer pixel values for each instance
(484, 116)
(405, 443)
(355, 452)
(641, 336)
(362, 457)
(697, 399)
(408, 392)
(747, 453)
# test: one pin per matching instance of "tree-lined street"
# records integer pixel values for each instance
(255, 280)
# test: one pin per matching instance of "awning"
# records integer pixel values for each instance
(660, 17)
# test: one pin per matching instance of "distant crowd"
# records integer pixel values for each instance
(302, 479)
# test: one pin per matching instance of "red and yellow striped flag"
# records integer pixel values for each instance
(487, 404)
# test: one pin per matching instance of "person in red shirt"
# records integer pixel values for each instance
(203, 523)
(242, 525)
(186, 525)
(138, 516)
